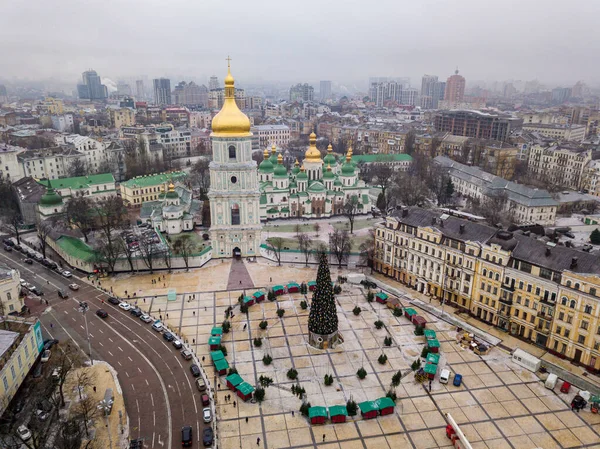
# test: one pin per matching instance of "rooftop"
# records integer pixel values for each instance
(7, 339)
(153, 180)
(382, 158)
(80, 182)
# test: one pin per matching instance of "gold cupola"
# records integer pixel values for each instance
(312, 154)
(230, 121)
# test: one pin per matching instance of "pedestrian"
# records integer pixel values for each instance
(94, 388)
(246, 420)
(167, 315)
(240, 282)
(194, 312)
(245, 325)
(51, 325)
(234, 404)
(193, 341)
(203, 358)
(46, 302)
(292, 413)
(258, 441)
(323, 438)
(160, 316)
(164, 285)
(205, 309)
(102, 301)
(48, 282)
(144, 300)
(270, 279)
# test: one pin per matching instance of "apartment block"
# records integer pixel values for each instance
(574, 133)
(562, 165)
(141, 189)
(268, 135)
(480, 125)
(543, 293)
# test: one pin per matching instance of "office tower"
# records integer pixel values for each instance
(383, 91)
(213, 83)
(325, 90)
(409, 96)
(162, 91)
(302, 92)
(455, 88)
(123, 89)
(560, 95)
(91, 88)
(190, 94)
(139, 90)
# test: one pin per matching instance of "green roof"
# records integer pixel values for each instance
(312, 283)
(430, 368)
(234, 379)
(263, 199)
(316, 187)
(216, 331)
(80, 182)
(347, 169)
(317, 411)
(217, 355)
(51, 198)
(337, 410)
(433, 343)
(280, 171)
(385, 402)
(368, 406)
(76, 248)
(430, 334)
(410, 311)
(433, 358)
(278, 287)
(258, 294)
(293, 284)
(245, 388)
(214, 341)
(265, 166)
(222, 364)
(382, 295)
(382, 158)
(248, 299)
(153, 180)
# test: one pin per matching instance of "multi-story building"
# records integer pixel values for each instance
(94, 186)
(325, 90)
(399, 162)
(302, 92)
(573, 133)
(455, 88)
(386, 91)
(3, 94)
(140, 93)
(216, 98)
(190, 94)
(200, 119)
(454, 147)
(10, 301)
(48, 163)
(499, 158)
(213, 83)
(480, 125)
(526, 204)
(162, 91)
(545, 294)
(92, 88)
(141, 189)
(121, 117)
(562, 165)
(51, 106)
(20, 344)
(409, 96)
(8, 118)
(177, 142)
(432, 91)
(9, 162)
(62, 123)
(93, 151)
(268, 135)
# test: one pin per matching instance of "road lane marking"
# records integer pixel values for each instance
(111, 354)
(119, 363)
(139, 370)
(126, 373)
(152, 398)
(101, 331)
(66, 313)
(130, 359)
(91, 335)
(120, 349)
(147, 384)
(82, 327)
(110, 339)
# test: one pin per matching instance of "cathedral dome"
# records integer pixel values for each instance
(280, 170)
(312, 154)
(330, 158)
(51, 198)
(348, 167)
(273, 157)
(172, 194)
(302, 175)
(328, 174)
(266, 166)
(296, 168)
(230, 121)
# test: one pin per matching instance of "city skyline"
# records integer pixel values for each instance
(451, 38)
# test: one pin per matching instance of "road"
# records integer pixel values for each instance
(158, 388)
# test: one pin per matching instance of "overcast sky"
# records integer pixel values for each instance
(555, 41)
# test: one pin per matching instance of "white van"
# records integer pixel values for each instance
(444, 376)
(551, 381)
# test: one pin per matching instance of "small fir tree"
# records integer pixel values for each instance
(595, 237)
(322, 318)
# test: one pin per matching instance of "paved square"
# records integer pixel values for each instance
(500, 405)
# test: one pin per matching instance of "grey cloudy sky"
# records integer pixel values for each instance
(346, 41)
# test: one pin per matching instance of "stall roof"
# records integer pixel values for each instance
(245, 388)
(410, 311)
(216, 331)
(430, 334)
(337, 410)
(258, 294)
(433, 343)
(293, 284)
(368, 406)
(312, 283)
(317, 411)
(433, 358)
(214, 341)
(278, 287)
(248, 299)
(220, 365)
(430, 368)
(382, 295)
(217, 355)
(234, 379)
(385, 402)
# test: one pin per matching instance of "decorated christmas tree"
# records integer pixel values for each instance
(323, 318)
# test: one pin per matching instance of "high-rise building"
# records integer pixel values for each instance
(432, 91)
(91, 88)
(409, 96)
(3, 94)
(162, 91)
(455, 88)
(140, 93)
(190, 94)
(561, 94)
(123, 89)
(302, 92)
(325, 90)
(213, 83)
(383, 91)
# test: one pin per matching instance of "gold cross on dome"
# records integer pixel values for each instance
(228, 59)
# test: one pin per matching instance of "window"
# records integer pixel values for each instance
(581, 339)
(5, 383)
(593, 291)
(8, 296)
(561, 316)
(564, 301)
(233, 179)
(232, 152)
(570, 319)
(567, 333)
(235, 214)
(584, 325)
(572, 304)
(12, 371)
(558, 329)
(588, 309)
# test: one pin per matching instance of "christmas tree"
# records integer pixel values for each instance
(323, 317)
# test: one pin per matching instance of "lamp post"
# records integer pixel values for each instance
(106, 408)
(83, 308)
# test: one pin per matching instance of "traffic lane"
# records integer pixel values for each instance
(135, 377)
(184, 397)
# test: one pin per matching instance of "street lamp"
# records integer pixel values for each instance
(106, 407)
(83, 308)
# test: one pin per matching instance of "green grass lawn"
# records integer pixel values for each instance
(358, 224)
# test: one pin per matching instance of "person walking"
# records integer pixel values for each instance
(258, 441)
(323, 438)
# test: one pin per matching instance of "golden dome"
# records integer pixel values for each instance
(230, 121)
(280, 159)
(312, 154)
(273, 148)
(266, 154)
(171, 186)
(296, 163)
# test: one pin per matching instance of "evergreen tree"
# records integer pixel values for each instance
(595, 236)
(323, 318)
(381, 203)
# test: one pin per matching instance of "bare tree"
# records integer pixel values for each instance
(69, 435)
(167, 259)
(13, 220)
(409, 142)
(200, 176)
(86, 410)
(367, 250)
(298, 230)
(351, 210)
(384, 175)
(110, 216)
(305, 246)
(274, 246)
(340, 245)
(44, 229)
(107, 252)
(149, 252)
(319, 250)
(185, 247)
(79, 214)
(65, 361)
(123, 248)
(437, 181)
(317, 228)
(77, 167)
(409, 190)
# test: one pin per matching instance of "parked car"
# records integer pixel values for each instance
(444, 376)
(102, 313)
(49, 343)
(136, 312)
(23, 282)
(177, 344)
(186, 436)
(28, 261)
(368, 284)
(457, 380)
(206, 415)
(67, 274)
(146, 318)
(23, 433)
(113, 300)
(205, 400)
(200, 384)
(42, 415)
(18, 247)
(168, 336)
(62, 294)
(38, 257)
(195, 370)
(74, 287)
(8, 242)
(46, 356)
(157, 326)
(124, 305)
(7, 248)
(207, 436)
(186, 354)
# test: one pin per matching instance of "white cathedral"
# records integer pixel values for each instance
(238, 201)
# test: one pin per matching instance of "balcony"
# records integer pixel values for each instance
(507, 301)
(508, 287)
(544, 316)
(542, 330)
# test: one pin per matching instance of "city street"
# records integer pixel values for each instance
(158, 388)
